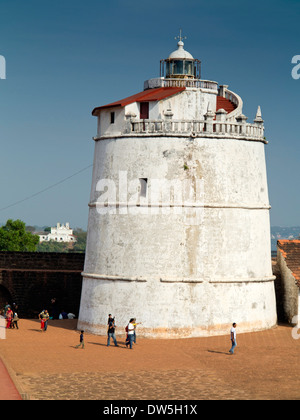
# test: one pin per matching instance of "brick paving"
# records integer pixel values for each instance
(47, 366)
(8, 390)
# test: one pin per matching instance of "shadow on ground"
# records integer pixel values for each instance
(67, 324)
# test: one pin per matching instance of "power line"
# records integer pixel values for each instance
(45, 189)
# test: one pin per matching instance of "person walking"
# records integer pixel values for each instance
(44, 317)
(111, 331)
(233, 338)
(130, 333)
(15, 321)
(135, 324)
(81, 340)
(9, 316)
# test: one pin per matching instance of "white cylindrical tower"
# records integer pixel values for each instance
(178, 230)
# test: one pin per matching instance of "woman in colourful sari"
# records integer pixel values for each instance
(9, 316)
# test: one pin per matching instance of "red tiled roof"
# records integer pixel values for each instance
(290, 250)
(145, 96)
(225, 104)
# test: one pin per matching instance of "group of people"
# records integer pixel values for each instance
(11, 316)
(111, 333)
(130, 332)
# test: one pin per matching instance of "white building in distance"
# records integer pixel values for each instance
(60, 233)
(179, 229)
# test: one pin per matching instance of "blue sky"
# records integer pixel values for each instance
(66, 57)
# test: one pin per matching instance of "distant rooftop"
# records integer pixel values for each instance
(290, 250)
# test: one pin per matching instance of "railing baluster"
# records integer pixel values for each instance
(194, 126)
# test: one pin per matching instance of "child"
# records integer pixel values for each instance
(15, 321)
(81, 341)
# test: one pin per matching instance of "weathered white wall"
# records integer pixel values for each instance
(170, 310)
(181, 278)
(190, 104)
(104, 125)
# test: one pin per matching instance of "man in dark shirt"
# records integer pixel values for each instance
(111, 330)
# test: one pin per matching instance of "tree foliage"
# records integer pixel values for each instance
(80, 243)
(52, 246)
(14, 237)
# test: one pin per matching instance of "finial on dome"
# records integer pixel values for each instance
(180, 37)
(180, 52)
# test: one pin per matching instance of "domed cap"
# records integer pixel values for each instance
(180, 52)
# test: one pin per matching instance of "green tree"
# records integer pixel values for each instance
(14, 237)
(80, 244)
(52, 246)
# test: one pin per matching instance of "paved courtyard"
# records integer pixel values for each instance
(47, 366)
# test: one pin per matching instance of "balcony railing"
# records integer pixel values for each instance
(208, 127)
(193, 83)
(188, 83)
(196, 128)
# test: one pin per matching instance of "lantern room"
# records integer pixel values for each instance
(180, 64)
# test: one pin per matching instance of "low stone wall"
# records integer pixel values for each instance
(32, 279)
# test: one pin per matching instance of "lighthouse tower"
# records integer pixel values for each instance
(178, 229)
